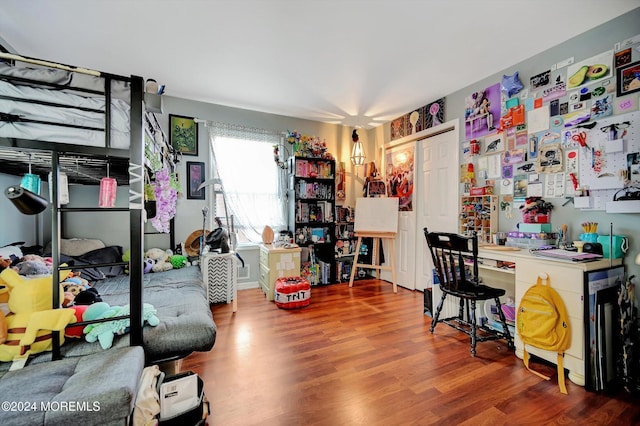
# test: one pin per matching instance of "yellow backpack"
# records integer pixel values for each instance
(542, 322)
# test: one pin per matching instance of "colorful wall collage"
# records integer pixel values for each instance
(570, 129)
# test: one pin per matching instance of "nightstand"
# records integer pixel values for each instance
(277, 262)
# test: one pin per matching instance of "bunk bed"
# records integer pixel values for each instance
(56, 118)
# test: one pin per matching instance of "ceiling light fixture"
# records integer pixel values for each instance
(357, 153)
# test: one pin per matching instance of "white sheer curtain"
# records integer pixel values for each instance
(254, 186)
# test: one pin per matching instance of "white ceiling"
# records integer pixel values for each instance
(353, 62)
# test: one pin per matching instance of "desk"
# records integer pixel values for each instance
(566, 277)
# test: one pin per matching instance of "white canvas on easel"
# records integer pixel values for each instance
(376, 215)
(376, 218)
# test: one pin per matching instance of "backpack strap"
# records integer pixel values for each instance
(563, 387)
(560, 364)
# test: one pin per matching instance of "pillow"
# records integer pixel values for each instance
(110, 254)
(77, 246)
(10, 250)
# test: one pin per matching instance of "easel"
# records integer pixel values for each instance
(377, 238)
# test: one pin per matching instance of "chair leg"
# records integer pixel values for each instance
(434, 321)
(473, 327)
(503, 320)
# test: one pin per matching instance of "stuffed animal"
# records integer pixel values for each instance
(76, 332)
(87, 297)
(178, 261)
(31, 320)
(161, 259)
(31, 268)
(103, 332)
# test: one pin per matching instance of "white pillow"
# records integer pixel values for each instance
(7, 251)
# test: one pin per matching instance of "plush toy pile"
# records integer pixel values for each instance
(104, 332)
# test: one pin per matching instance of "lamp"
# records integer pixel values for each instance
(357, 153)
(26, 201)
(638, 259)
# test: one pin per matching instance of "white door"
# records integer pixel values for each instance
(437, 170)
(405, 241)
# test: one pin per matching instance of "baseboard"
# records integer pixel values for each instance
(248, 285)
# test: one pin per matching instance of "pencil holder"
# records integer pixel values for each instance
(589, 237)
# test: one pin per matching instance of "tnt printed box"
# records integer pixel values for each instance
(292, 292)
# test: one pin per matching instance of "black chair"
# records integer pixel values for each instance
(455, 258)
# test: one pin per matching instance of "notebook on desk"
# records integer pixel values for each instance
(566, 255)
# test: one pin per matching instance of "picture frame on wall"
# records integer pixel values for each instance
(195, 177)
(628, 80)
(183, 134)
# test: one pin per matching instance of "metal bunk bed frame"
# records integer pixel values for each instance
(135, 155)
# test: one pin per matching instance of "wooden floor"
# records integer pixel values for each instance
(364, 356)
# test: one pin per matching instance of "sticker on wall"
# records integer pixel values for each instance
(571, 161)
(625, 104)
(590, 70)
(548, 137)
(623, 57)
(564, 108)
(520, 184)
(602, 107)
(540, 80)
(526, 168)
(522, 139)
(532, 148)
(549, 159)
(573, 118)
(558, 90)
(507, 171)
(493, 143)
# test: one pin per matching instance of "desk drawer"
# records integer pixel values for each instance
(563, 276)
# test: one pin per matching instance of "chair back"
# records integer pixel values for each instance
(448, 252)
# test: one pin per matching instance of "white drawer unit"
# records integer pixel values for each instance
(277, 262)
(220, 275)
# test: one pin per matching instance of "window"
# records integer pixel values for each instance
(252, 184)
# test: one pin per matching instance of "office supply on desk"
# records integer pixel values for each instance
(566, 255)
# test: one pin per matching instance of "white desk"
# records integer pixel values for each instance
(566, 277)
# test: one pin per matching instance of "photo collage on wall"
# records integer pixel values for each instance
(570, 128)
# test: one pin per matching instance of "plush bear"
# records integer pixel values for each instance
(104, 332)
(31, 320)
(161, 258)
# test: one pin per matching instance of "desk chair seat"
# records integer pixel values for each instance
(455, 258)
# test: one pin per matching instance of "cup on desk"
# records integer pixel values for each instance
(579, 245)
(501, 238)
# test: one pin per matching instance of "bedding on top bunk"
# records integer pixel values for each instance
(120, 122)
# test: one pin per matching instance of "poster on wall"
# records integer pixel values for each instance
(434, 114)
(482, 112)
(399, 175)
(590, 70)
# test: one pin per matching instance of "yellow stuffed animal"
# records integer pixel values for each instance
(31, 320)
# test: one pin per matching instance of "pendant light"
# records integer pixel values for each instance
(30, 181)
(108, 187)
(357, 152)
